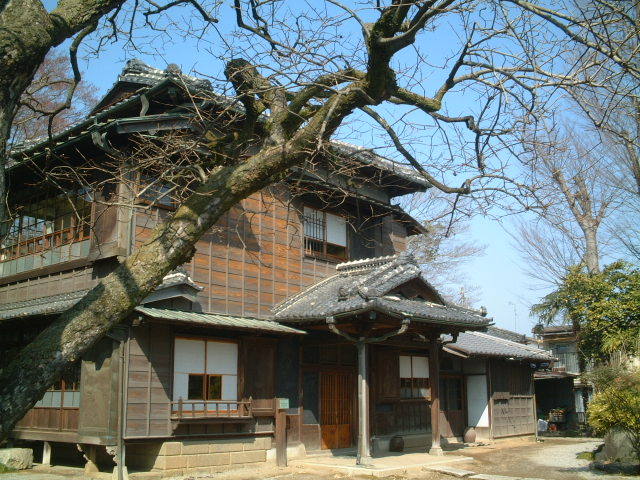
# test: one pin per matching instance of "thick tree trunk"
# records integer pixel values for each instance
(41, 362)
(27, 33)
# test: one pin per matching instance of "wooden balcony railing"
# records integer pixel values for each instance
(211, 409)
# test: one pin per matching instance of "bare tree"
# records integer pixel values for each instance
(569, 171)
(292, 79)
(445, 248)
(46, 93)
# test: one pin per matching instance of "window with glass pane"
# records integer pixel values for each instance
(325, 234)
(65, 392)
(153, 190)
(45, 223)
(205, 370)
(414, 377)
(214, 387)
(195, 388)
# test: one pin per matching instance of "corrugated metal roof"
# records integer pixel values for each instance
(218, 320)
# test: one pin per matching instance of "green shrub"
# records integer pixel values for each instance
(617, 407)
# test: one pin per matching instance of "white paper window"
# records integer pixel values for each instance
(325, 234)
(336, 230)
(420, 367)
(405, 366)
(414, 377)
(205, 370)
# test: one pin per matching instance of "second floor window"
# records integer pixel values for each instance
(325, 234)
(45, 223)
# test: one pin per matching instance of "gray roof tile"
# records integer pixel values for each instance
(484, 344)
(365, 285)
(41, 306)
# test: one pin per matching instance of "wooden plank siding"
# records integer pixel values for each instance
(512, 399)
(254, 257)
(149, 383)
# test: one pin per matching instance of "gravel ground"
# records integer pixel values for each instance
(550, 459)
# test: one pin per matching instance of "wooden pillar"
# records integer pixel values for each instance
(281, 435)
(364, 453)
(434, 381)
(46, 453)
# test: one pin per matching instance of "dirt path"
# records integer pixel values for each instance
(550, 459)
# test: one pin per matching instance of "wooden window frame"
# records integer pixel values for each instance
(64, 387)
(206, 375)
(140, 200)
(414, 385)
(323, 255)
(78, 231)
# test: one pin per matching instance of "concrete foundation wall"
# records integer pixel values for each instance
(181, 457)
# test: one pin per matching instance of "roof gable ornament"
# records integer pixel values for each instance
(378, 276)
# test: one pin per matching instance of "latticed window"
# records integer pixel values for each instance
(45, 223)
(325, 234)
(414, 377)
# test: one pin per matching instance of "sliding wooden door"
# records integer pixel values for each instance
(337, 412)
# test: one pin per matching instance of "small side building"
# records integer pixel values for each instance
(487, 386)
(561, 392)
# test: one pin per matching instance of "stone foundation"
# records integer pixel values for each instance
(180, 457)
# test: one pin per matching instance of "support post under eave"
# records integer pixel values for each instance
(364, 449)
(434, 380)
(364, 441)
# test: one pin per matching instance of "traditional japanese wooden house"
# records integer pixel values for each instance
(287, 304)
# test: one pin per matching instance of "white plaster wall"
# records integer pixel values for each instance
(477, 401)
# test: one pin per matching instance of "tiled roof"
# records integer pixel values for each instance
(557, 329)
(41, 306)
(218, 320)
(365, 285)
(372, 158)
(484, 344)
(137, 72)
(507, 334)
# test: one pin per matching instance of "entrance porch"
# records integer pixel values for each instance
(370, 362)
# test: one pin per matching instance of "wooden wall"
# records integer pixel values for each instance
(392, 415)
(254, 257)
(512, 399)
(99, 390)
(68, 281)
(149, 381)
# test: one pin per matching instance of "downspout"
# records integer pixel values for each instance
(364, 449)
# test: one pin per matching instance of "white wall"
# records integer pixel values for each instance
(477, 401)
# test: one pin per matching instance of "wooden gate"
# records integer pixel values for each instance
(336, 409)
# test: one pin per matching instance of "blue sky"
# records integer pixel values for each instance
(505, 290)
